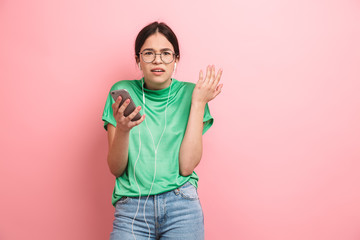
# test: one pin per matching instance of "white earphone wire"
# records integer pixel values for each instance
(137, 210)
(155, 153)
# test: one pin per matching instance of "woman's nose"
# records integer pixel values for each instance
(157, 59)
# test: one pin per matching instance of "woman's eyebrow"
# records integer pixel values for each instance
(151, 49)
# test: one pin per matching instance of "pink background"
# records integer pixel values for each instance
(281, 161)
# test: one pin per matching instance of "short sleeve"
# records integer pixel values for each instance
(208, 119)
(108, 116)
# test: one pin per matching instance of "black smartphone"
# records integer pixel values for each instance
(131, 107)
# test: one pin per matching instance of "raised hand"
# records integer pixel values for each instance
(124, 123)
(207, 88)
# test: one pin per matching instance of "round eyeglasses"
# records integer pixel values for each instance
(149, 56)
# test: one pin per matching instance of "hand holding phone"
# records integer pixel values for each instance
(131, 107)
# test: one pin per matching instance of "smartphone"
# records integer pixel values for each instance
(131, 107)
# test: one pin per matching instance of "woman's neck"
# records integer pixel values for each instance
(154, 86)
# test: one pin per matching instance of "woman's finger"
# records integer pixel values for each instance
(208, 73)
(135, 123)
(133, 114)
(201, 76)
(218, 88)
(212, 79)
(116, 104)
(123, 107)
(218, 77)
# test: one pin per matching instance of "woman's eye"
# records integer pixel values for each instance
(148, 53)
(166, 53)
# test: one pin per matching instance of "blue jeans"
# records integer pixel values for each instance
(171, 215)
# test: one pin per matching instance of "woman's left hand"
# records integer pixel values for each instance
(207, 88)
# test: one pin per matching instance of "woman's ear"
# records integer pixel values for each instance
(137, 61)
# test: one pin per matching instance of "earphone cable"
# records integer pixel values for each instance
(155, 153)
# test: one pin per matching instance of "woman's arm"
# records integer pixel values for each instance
(118, 150)
(118, 137)
(191, 146)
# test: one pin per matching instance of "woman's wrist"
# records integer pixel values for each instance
(198, 104)
(121, 132)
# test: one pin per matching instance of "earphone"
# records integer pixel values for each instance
(155, 153)
(139, 65)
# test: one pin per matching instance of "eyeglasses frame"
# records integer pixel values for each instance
(173, 54)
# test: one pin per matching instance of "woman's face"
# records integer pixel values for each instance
(157, 74)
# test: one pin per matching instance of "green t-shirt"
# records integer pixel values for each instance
(167, 175)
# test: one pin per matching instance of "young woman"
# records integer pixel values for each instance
(153, 158)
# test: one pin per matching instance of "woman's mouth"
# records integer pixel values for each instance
(157, 71)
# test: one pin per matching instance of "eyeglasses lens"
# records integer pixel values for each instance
(149, 56)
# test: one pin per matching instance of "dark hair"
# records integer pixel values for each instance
(153, 28)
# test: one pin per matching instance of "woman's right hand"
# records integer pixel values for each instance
(124, 123)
